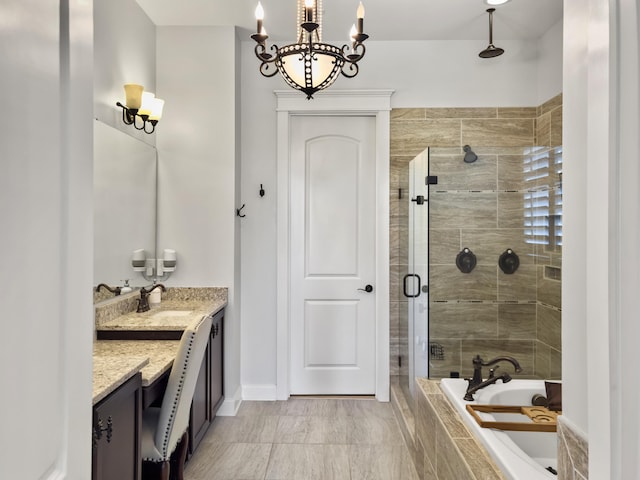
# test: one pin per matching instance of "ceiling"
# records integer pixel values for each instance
(384, 20)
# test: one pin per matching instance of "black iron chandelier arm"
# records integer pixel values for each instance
(267, 59)
(353, 53)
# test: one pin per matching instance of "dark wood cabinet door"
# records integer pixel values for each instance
(117, 423)
(200, 418)
(217, 380)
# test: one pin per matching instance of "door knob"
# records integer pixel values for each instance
(367, 288)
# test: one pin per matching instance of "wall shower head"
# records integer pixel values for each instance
(491, 51)
(469, 156)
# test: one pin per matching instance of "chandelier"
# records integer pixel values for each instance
(310, 65)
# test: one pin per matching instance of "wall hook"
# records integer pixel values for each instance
(238, 210)
(261, 191)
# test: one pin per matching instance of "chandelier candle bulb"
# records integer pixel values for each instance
(259, 18)
(309, 9)
(360, 16)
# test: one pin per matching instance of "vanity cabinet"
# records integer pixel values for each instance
(208, 394)
(117, 425)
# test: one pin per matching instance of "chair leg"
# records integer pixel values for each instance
(179, 457)
(155, 470)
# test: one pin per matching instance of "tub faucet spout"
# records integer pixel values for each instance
(505, 377)
(476, 383)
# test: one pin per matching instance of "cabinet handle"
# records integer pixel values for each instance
(99, 428)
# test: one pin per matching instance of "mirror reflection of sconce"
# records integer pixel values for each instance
(143, 105)
(154, 269)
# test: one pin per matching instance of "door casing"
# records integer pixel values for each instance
(376, 103)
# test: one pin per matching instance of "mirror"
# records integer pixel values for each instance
(124, 182)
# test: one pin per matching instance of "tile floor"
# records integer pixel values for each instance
(304, 439)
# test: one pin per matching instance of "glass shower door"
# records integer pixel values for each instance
(416, 286)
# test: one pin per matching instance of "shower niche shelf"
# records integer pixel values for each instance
(552, 273)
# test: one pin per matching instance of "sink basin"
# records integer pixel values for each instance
(171, 313)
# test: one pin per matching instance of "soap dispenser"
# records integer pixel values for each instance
(125, 288)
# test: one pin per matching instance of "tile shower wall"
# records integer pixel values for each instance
(509, 198)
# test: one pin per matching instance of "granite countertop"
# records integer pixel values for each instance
(160, 354)
(178, 308)
(109, 372)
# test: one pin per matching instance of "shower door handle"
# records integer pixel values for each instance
(404, 285)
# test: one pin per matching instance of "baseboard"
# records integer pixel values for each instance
(259, 392)
(231, 404)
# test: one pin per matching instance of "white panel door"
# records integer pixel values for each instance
(332, 259)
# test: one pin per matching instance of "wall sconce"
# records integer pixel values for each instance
(141, 104)
(159, 269)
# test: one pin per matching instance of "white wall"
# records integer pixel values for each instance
(423, 74)
(46, 216)
(197, 167)
(125, 52)
(602, 232)
(550, 64)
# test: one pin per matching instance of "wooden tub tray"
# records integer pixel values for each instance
(542, 419)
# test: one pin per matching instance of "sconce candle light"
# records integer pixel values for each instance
(143, 105)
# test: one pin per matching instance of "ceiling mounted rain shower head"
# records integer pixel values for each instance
(491, 51)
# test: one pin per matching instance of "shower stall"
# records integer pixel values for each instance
(463, 215)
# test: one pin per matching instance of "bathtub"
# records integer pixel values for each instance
(520, 455)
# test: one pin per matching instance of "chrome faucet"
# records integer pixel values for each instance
(476, 383)
(143, 301)
(115, 290)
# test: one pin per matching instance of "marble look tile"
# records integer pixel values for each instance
(511, 210)
(250, 408)
(574, 446)
(556, 127)
(448, 283)
(399, 171)
(444, 245)
(412, 137)
(543, 130)
(489, 244)
(450, 362)
(372, 462)
(550, 104)
(517, 112)
(479, 464)
(542, 367)
(517, 322)
(454, 174)
(463, 210)
(373, 431)
(396, 274)
(521, 350)
(247, 429)
(399, 244)
(515, 172)
(448, 417)
(461, 112)
(463, 320)
(549, 291)
(419, 462)
(407, 114)
(309, 462)
(555, 364)
(499, 133)
(449, 463)
(324, 430)
(550, 327)
(518, 286)
(229, 461)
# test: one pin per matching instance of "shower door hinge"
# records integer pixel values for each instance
(419, 200)
(399, 361)
(431, 180)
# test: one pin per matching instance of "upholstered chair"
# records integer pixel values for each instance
(165, 428)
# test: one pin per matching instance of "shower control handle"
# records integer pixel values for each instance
(367, 288)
